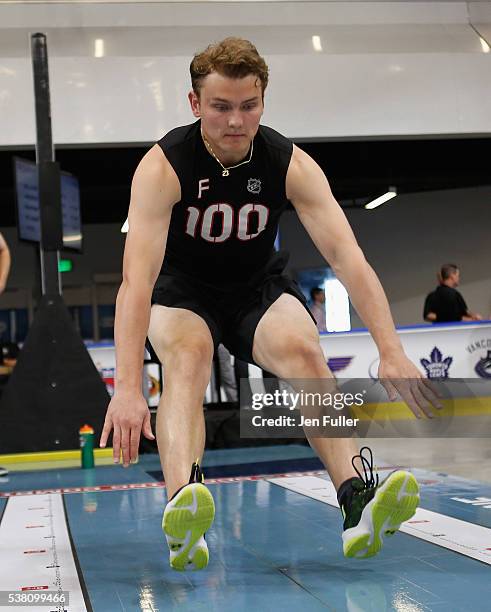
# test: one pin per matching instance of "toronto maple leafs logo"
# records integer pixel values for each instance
(438, 367)
(254, 185)
(483, 366)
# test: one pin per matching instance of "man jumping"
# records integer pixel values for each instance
(200, 269)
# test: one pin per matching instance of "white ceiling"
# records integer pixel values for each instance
(386, 68)
(277, 40)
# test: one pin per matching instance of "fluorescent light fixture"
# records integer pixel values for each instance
(99, 48)
(316, 43)
(337, 306)
(126, 227)
(382, 199)
(484, 45)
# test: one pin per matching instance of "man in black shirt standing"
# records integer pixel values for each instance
(446, 304)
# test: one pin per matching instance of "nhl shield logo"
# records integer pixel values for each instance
(254, 185)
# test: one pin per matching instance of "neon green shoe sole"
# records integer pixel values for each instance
(186, 519)
(395, 501)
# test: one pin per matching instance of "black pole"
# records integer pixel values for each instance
(55, 387)
(48, 171)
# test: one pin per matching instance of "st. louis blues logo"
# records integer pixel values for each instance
(336, 364)
(438, 367)
(483, 366)
(254, 185)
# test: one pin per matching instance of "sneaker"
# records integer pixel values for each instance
(187, 516)
(371, 511)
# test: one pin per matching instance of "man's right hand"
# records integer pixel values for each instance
(129, 416)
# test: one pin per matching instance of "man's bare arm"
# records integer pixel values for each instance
(154, 191)
(322, 217)
(326, 223)
(4, 263)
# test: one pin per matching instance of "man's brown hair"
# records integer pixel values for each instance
(235, 58)
(447, 270)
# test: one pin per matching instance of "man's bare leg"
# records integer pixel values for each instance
(286, 343)
(184, 346)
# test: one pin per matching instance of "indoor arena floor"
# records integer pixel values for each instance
(275, 543)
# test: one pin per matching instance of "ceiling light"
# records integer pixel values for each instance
(316, 43)
(99, 48)
(382, 199)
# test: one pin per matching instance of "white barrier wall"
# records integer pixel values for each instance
(441, 351)
(385, 68)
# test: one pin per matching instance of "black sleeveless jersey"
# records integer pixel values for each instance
(222, 231)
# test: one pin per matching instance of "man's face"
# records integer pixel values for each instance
(230, 111)
(456, 278)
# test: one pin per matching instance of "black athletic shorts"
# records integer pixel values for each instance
(232, 313)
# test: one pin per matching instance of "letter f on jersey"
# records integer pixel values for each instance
(203, 185)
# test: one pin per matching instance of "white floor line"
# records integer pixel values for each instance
(35, 551)
(466, 538)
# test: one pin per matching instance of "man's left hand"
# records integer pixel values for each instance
(400, 376)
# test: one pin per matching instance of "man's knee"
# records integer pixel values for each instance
(189, 360)
(302, 355)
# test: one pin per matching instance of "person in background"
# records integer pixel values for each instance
(318, 307)
(4, 273)
(446, 304)
(4, 263)
(227, 374)
(231, 376)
